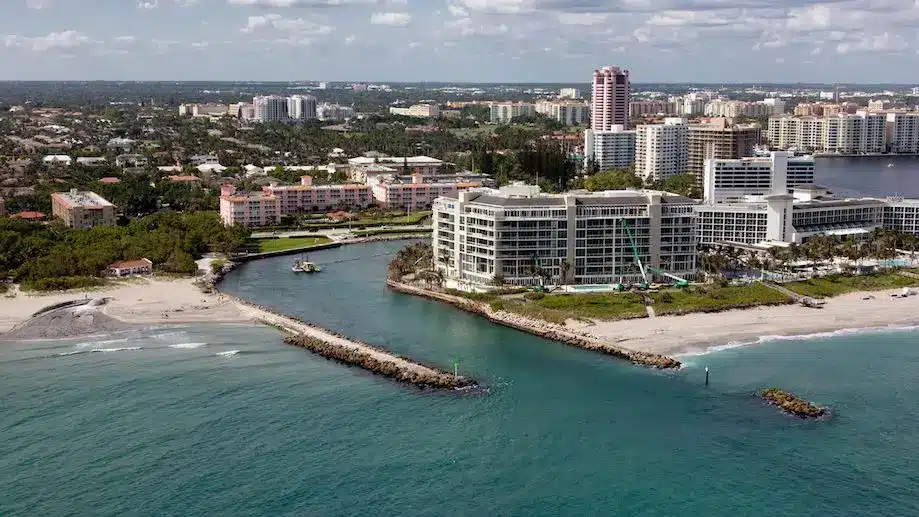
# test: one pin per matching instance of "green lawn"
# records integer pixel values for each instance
(622, 306)
(392, 231)
(714, 299)
(835, 285)
(266, 245)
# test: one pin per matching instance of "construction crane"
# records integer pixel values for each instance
(678, 282)
(641, 267)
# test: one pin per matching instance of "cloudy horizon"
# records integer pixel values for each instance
(548, 41)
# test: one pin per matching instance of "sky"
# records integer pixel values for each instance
(864, 41)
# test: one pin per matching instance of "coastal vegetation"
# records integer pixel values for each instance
(55, 257)
(715, 298)
(791, 404)
(835, 285)
(286, 243)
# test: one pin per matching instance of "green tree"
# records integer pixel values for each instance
(683, 184)
(613, 179)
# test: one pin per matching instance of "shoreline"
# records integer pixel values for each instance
(685, 336)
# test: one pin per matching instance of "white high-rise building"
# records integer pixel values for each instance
(334, 112)
(483, 234)
(612, 93)
(570, 113)
(504, 112)
(301, 107)
(271, 108)
(662, 150)
(903, 132)
(732, 181)
(861, 133)
(613, 149)
(569, 93)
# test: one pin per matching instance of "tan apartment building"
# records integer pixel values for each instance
(720, 139)
(82, 210)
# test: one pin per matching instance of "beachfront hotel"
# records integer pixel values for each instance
(745, 206)
(731, 181)
(275, 201)
(487, 236)
(413, 192)
(82, 210)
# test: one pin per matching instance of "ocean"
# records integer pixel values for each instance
(227, 420)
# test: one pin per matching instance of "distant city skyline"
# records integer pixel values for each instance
(854, 41)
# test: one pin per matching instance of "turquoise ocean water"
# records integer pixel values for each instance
(168, 421)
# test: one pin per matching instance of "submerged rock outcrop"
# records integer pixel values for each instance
(792, 404)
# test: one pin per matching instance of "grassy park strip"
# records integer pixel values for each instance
(835, 285)
(289, 243)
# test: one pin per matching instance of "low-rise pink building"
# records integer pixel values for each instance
(416, 195)
(267, 207)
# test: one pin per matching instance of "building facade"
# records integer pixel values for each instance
(613, 149)
(731, 181)
(571, 113)
(504, 112)
(82, 210)
(902, 133)
(662, 150)
(612, 93)
(861, 133)
(485, 236)
(417, 111)
(719, 139)
(271, 108)
(414, 193)
(266, 208)
(301, 107)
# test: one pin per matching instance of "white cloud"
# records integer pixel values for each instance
(456, 10)
(390, 18)
(66, 40)
(885, 42)
(312, 3)
(147, 4)
(38, 4)
(582, 18)
(287, 26)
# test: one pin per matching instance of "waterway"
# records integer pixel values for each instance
(272, 430)
(870, 175)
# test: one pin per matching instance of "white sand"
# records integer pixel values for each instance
(136, 301)
(695, 333)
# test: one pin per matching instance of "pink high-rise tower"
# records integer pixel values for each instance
(612, 93)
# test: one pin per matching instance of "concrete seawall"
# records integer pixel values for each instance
(336, 347)
(541, 328)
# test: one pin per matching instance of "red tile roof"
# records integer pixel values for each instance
(28, 215)
(109, 180)
(125, 264)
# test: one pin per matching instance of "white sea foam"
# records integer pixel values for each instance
(169, 336)
(122, 349)
(228, 353)
(188, 345)
(800, 337)
(92, 344)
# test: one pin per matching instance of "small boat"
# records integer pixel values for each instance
(890, 164)
(304, 266)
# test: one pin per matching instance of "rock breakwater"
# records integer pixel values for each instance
(337, 347)
(541, 328)
(792, 404)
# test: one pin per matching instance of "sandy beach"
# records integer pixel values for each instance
(138, 301)
(697, 333)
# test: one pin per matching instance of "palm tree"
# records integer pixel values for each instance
(564, 268)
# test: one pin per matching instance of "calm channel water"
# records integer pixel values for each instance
(182, 426)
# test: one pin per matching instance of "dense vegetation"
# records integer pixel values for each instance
(34, 253)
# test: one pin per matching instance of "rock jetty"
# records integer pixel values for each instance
(791, 404)
(425, 377)
(541, 328)
(335, 346)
